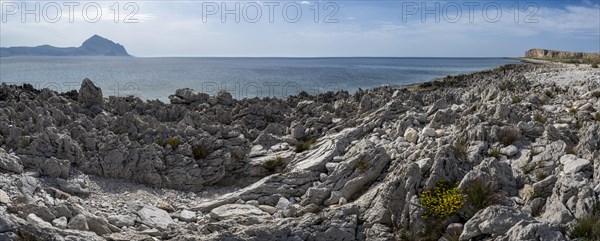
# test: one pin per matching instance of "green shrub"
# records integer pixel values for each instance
(301, 147)
(539, 118)
(480, 194)
(313, 140)
(595, 65)
(174, 142)
(587, 228)
(495, 152)
(508, 135)
(273, 164)
(442, 201)
(200, 152)
(362, 165)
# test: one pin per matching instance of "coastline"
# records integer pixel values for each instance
(334, 165)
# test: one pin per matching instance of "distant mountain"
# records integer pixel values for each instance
(94, 46)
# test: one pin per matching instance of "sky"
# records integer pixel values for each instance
(386, 28)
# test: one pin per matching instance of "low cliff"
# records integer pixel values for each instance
(554, 54)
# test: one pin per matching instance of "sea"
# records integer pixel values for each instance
(157, 78)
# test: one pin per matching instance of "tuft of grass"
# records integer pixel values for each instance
(503, 86)
(301, 147)
(274, 163)
(200, 152)
(595, 65)
(362, 165)
(433, 231)
(25, 142)
(573, 110)
(454, 235)
(570, 149)
(442, 201)
(542, 102)
(539, 118)
(587, 228)
(313, 140)
(541, 175)
(516, 99)
(481, 193)
(160, 141)
(527, 168)
(495, 152)
(508, 135)
(461, 149)
(557, 89)
(174, 142)
(532, 152)
(549, 94)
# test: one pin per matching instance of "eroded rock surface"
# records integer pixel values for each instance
(336, 166)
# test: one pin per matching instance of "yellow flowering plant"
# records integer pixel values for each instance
(442, 201)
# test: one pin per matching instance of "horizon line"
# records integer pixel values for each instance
(288, 57)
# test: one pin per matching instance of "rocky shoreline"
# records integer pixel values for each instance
(336, 166)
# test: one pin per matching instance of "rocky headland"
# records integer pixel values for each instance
(556, 55)
(93, 46)
(506, 154)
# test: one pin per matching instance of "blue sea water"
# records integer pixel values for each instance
(157, 78)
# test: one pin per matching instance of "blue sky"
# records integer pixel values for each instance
(342, 28)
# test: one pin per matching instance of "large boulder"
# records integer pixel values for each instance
(572, 164)
(154, 217)
(54, 167)
(532, 230)
(493, 221)
(242, 213)
(79, 222)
